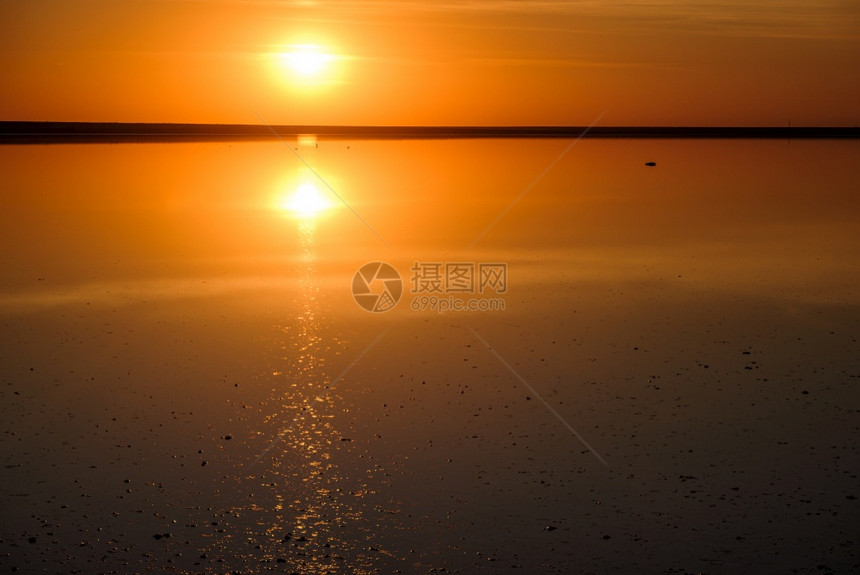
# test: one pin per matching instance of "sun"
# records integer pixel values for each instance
(307, 67)
(306, 202)
(307, 60)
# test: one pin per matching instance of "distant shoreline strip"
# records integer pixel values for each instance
(88, 132)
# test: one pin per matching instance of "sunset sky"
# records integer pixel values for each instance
(468, 62)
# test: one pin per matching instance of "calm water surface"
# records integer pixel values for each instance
(188, 384)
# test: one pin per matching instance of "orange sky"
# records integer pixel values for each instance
(669, 62)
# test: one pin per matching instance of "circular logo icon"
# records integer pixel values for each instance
(377, 287)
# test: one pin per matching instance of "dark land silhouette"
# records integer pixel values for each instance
(107, 132)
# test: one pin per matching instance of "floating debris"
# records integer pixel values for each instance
(651, 164)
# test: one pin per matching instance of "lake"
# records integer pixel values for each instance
(473, 355)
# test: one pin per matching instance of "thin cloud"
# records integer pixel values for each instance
(558, 63)
(801, 19)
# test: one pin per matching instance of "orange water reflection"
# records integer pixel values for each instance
(145, 212)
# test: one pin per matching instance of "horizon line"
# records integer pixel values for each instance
(12, 132)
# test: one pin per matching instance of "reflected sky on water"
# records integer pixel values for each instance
(183, 355)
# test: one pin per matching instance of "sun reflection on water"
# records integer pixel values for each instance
(306, 202)
(306, 508)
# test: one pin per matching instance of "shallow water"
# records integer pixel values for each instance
(670, 387)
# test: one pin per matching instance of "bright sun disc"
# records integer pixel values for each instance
(306, 201)
(307, 59)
